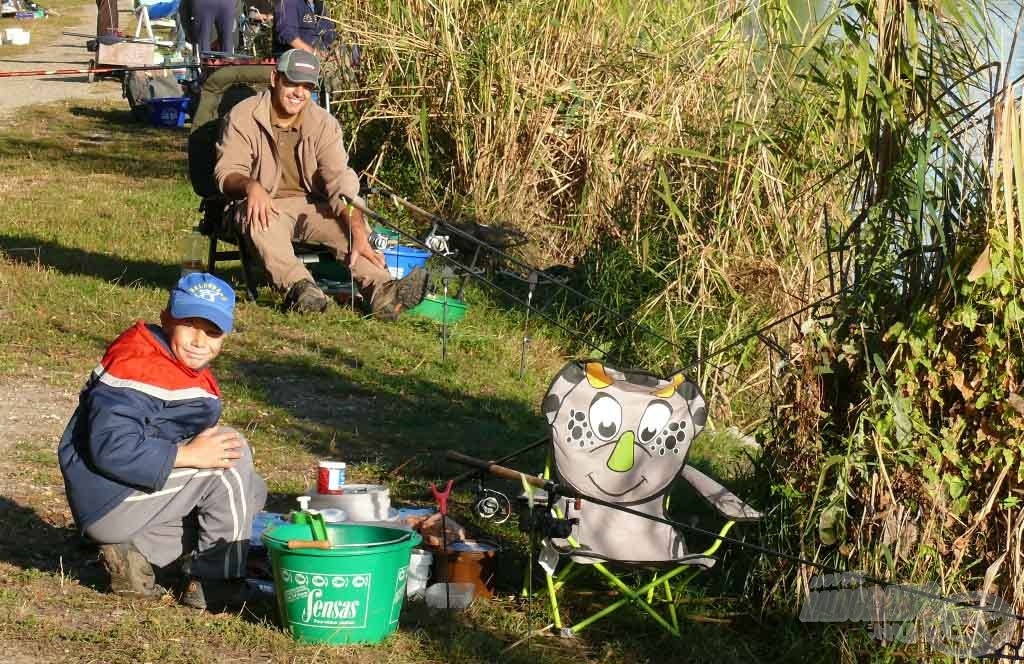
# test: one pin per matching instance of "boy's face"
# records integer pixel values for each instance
(194, 341)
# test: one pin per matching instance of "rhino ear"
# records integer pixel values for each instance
(569, 377)
(698, 407)
(550, 407)
(685, 388)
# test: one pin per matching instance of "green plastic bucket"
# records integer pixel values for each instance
(433, 306)
(350, 593)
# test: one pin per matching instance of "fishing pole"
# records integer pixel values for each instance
(554, 488)
(109, 70)
(360, 205)
(108, 40)
(573, 334)
(702, 360)
(384, 190)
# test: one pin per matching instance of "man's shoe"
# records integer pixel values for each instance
(216, 595)
(401, 295)
(305, 297)
(131, 575)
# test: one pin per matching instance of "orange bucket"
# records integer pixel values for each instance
(468, 561)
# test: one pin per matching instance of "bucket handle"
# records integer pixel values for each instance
(326, 545)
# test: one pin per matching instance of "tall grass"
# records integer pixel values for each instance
(666, 150)
(898, 453)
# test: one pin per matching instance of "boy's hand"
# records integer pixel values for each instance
(211, 448)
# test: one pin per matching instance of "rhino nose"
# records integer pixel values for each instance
(621, 459)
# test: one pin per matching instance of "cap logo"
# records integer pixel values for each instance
(303, 65)
(209, 292)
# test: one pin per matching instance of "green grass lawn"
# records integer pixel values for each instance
(92, 212)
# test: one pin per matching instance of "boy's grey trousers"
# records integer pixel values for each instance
(207, 513)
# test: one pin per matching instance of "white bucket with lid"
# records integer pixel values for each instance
(420, 562)
(361, 502)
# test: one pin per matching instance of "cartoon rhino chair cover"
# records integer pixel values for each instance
(623, 437)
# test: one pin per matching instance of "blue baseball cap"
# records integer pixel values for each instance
(202, 295)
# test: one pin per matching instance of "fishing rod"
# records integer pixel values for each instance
(108, 40)
(573, 334)
(109, 70)
(449, 227)
(360, 205)
(556, 489)
(91, 70)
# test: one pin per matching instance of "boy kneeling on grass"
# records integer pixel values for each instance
(148, 474)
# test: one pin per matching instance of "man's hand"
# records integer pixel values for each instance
(259, 207)
(361, 249)
(360, 234)
(211, 448)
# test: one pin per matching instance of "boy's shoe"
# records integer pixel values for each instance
(400, 295)
(305, 297)
(215, 595)
(131, 575)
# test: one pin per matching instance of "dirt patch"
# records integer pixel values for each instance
(61, 54)
(32, 417)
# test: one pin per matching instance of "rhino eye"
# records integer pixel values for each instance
(653, 420)
(605, 416)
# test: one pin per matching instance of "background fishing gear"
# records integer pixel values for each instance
(470, 240)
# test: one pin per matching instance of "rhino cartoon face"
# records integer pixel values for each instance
(618, 436)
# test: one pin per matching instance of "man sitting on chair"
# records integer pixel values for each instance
(286, 158)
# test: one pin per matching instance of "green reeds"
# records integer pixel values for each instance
(653, 138)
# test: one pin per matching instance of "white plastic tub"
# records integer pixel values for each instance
(459, 595)
(419, 573)
(17, 37)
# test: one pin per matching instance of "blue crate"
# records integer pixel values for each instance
(402, 259)
(168, 111)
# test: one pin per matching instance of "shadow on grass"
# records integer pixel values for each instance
(32, 543)
(112, 143)
(74, 261)
(395, 419)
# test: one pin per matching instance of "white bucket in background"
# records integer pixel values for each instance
(361, 502)
(333, 515)
(419, 572)
(16, 36)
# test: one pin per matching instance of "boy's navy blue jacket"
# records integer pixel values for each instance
(299, 18)
(136, 406)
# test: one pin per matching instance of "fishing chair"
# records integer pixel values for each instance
(622, 438)
(161, 13)
(220, 91)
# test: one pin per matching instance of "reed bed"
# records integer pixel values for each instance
(707, 167)
(660, 148)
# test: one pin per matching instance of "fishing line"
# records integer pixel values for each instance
(384, 190)
(573, 334)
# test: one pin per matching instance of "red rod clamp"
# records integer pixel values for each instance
(442, 497)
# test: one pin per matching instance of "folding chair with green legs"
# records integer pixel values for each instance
(622, 438)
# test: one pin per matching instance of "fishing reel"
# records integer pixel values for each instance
(541, 519)
(438, 243)
(492, 505)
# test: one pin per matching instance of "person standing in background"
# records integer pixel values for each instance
(301, 24)
(208, 14)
